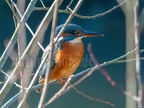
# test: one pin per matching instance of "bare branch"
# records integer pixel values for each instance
(136, 35)
(42, 3)
(12, 100)
(91, 98)
(85, 17)
(68, 6)
(9, 47)
(58, 93)
(44, 91)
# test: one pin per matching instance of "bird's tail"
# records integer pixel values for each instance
(41, 81)
(39, 90)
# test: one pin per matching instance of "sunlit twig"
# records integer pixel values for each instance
(86, 17)
(137, 63)
(58, 93)
(44, 91)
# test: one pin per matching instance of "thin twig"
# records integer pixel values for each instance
(91, 98)
(42, 3)
(68, 6)
(44, 91)
(136, 35)
(128, 60)
(8, 77)
(12, 100)
(30, 30)
(12, 9)
(86, 17)
(58, 93)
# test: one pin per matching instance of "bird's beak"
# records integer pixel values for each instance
(90, 34)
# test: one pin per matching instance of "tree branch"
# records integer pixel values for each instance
(85, 17)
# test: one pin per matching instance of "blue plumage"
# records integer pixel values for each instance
(69, 28)
(69, 38)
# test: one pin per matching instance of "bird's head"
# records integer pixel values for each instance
(73, 31)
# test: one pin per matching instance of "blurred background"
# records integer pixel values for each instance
(111, 46)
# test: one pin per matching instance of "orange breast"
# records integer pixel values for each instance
(67, 60)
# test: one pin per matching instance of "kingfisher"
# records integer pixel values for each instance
(68, 53)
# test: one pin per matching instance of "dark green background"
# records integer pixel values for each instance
(105, 48)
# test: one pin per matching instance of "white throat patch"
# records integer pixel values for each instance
(77, 40)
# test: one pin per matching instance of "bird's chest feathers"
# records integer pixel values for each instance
(70, 52)
(68, 59)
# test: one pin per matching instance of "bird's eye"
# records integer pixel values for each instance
(77, 32)
(72, 32)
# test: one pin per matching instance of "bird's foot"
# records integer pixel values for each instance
(61, 81)
(39, 90)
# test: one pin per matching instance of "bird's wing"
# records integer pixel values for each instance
(44, 67)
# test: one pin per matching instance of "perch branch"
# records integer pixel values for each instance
(74, 76)
(58, 93)
(89, 71)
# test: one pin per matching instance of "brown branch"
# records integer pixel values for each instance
(109, 79)
(90, 97)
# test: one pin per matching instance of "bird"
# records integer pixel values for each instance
(68, 53)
